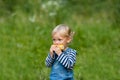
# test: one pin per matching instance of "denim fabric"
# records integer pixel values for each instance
(58, 72)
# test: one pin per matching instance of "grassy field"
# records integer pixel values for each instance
(24, 46)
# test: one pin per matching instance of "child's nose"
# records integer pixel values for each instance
(56, 42)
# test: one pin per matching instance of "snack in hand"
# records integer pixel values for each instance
(61, 47)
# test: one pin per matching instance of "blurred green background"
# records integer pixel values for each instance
(25, 37)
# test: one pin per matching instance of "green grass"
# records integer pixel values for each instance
(24, 46)
(98, 53)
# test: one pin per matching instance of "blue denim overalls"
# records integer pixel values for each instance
(59, 72)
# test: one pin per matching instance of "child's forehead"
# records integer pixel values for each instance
(58, 34)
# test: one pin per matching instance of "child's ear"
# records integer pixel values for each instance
(69, 40)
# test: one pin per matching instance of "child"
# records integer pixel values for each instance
(61, 58)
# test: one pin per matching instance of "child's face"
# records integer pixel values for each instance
(60, 40)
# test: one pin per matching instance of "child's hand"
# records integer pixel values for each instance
(52, 50)
(56, 48)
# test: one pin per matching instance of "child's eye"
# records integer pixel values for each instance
(59, 39)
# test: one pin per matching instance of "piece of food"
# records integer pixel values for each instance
(61, 47)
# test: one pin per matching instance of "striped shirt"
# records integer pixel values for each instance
(67, 58)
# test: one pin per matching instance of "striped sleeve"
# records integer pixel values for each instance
(49, 61)
(68, 60)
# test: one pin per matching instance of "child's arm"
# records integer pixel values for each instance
(51, 57)
(68, 60)
(49, 61)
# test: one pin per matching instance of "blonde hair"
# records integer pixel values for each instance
(64, 30)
